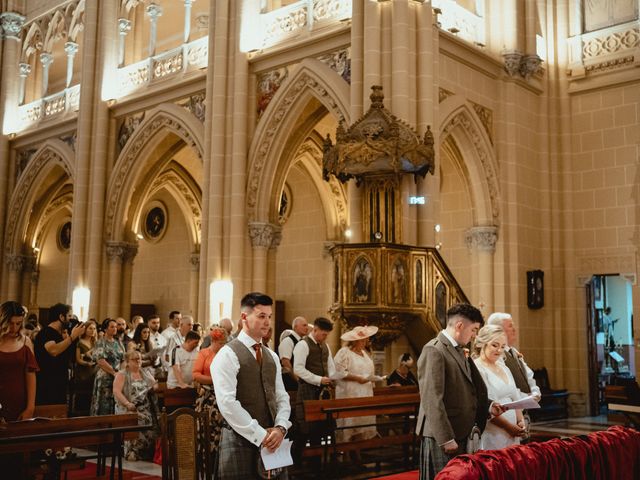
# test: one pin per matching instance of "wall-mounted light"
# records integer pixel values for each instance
(139, 236)
(221, 299)
(36, 250)
(80, 302)
(348, 233)
(437, 228)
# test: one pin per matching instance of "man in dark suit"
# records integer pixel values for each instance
(453, 396)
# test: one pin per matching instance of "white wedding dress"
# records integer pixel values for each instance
(494, 437)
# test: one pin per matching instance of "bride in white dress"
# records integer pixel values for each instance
(508, 428)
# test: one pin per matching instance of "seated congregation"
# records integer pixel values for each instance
(209, 406)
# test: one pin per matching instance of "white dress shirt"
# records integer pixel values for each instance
(157, 340)
(450, 338)
(169, 332)
(224, 372)
(300, 354)
(286, 346)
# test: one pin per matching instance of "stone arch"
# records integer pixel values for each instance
(54, 154)
(461, 127)
(332, 194)
(165, 129)
(310, 80)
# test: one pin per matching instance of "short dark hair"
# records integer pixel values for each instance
(323, 324)
(173, 314)
(250, 300)
(57, 310)
(192, 335)
(152, 317)
(466, 311)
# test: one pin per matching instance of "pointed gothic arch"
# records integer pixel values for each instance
(461, 126)
(53, 155)
(312, 79)
(165, 130)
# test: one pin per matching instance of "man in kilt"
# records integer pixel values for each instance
(250, 394)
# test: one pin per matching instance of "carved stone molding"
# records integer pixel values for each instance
(610, 43)
(25, 186)
(483, 238)
(488, 167)
(132, 152)
(189, 196)
(512, 63)
(486, 117)
(11, 24)
(610, 64)
(300, 84)
(602, 264)
(122, 252)
(443, 94)
(265, 235)
(194, 260)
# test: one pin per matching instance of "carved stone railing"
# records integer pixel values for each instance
(461, 22)
(390, 286)
(301, 17)
(606, 49)
(178, 61)
(59, 104)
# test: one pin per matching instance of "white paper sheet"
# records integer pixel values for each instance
(279, 458)
(526, 402)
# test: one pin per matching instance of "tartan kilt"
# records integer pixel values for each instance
(238, 458)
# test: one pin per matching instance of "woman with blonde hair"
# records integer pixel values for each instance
(134, 391)
(488, 354)
(17, 364)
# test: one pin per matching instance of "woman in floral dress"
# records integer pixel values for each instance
(108, 353)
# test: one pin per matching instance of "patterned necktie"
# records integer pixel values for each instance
(258, 348)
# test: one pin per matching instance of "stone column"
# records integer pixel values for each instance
(25, 70)
(46, 59)
(33, 298)
(15, 264)
(154, 11)
(481, 240)
(27, 272)
(124, 27)
(10, 27)
(187, 20)
(116, 252)
(71, 48)
(194, 260)
(130, 250)
(263, 237)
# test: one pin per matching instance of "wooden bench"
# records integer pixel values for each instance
(106, 431)
(395, 390)
(403, 405)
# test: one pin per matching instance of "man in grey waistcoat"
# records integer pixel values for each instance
(250, 394)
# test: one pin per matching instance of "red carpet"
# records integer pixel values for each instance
(89, 472)
(413, 475)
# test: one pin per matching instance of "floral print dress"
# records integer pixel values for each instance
(102, 402)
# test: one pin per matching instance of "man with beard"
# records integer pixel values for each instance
(52, 351)
(122, 336)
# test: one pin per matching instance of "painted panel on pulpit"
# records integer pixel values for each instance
(398, 280)
(362, 281)
(441, 304)
(419, 280)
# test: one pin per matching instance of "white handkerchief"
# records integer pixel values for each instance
(526, 402)
(281, 457)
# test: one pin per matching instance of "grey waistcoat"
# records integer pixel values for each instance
(259, 402)
(317, 358)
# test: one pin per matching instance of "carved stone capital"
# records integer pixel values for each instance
(25, 69)
(530, 65)
(46, 59)
(121, 251)
(512, 62)
(124, 26)
(71, 48)
(265, 235)
(482, 239)
(11, 24)
(154, 11)
(14, 262)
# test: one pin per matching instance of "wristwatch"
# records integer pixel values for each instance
(282, 429)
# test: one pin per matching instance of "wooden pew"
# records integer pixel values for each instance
(395, 390)
(403, 405)
(179, 397)
(106, 431)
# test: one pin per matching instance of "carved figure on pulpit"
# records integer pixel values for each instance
(362, 281)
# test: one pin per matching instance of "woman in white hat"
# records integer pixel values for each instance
(354, 361)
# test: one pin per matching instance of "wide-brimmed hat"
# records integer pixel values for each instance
(359, 333)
